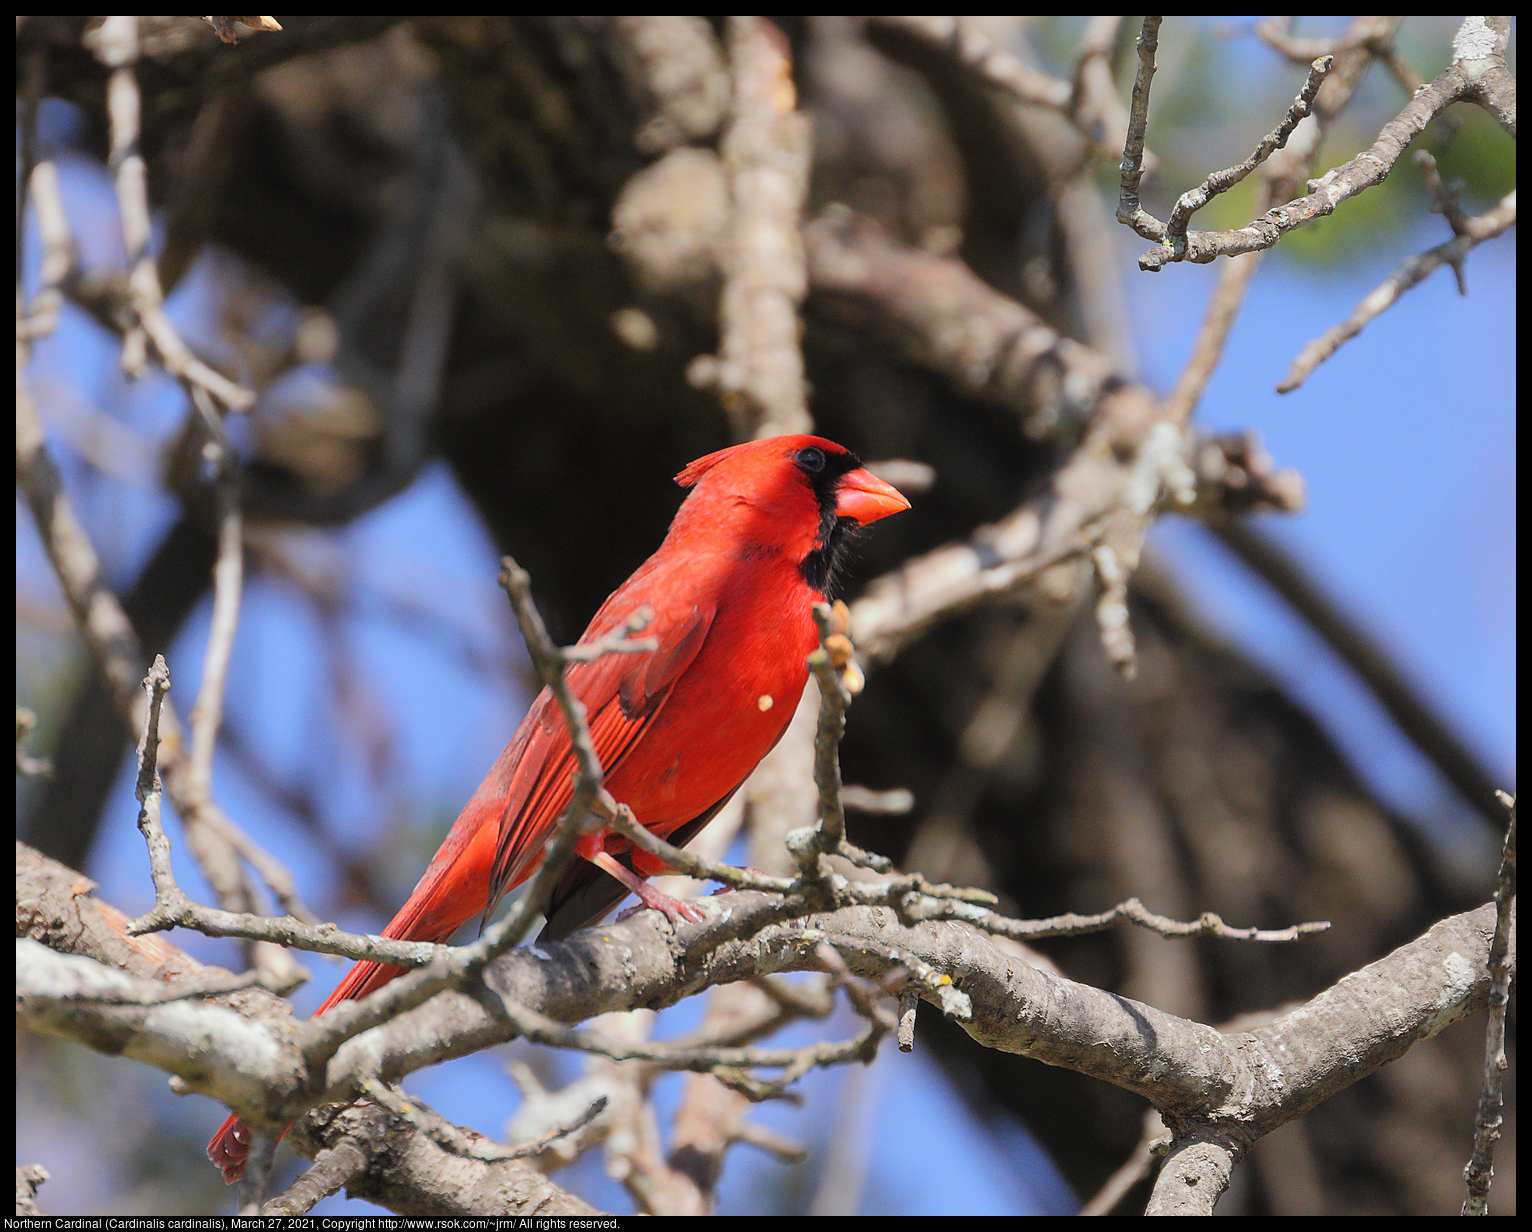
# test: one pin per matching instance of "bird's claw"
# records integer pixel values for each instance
(674, 909)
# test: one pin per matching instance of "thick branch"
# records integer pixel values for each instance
(1255, 1080)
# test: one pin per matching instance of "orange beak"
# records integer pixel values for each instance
(865, 498)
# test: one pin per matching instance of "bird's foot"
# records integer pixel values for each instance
(674, 909)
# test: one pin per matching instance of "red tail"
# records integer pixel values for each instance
(230, 1146)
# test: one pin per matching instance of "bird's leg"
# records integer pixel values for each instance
(675, 909)
(646, 865)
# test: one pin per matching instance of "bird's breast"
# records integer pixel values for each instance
(726, 710)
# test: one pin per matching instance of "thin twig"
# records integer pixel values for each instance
(332, 1170)
(147, 788)
(909, 1002)
(252, 1185)
(986, 61)
(1477, 73)
(96, 610)
(893, 802)
(33, 78)
(59, 257)
(1411, 273)
(1130, 209)
(455, 968)
(589, 776)
(620, 820)
(1487, 1119)
(228, 575)
(1221, 181)
(117, 48)
(835, 699)
(1213, 335)
(470, 1146)
(1074, 924)
(730, 1065)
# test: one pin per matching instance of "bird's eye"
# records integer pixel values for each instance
(811, 459)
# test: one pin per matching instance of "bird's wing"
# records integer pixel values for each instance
(622, 694)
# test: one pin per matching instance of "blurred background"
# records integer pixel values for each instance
(467, 263)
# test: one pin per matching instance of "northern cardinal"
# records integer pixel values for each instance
(677, 729)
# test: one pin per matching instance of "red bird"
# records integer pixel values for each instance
(753, 547)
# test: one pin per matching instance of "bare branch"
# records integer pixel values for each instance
(1487, 1119)
(944, 317)
(1194, 1175)
(1087, 101)
(986, 61)
(213, 838)
(1221, 181)
(450, 1138)
(589, 776)
(1410, 274)
(1193, 1073)
(1477, 73)
(759, 370)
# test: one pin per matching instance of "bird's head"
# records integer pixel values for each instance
(797, 495)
